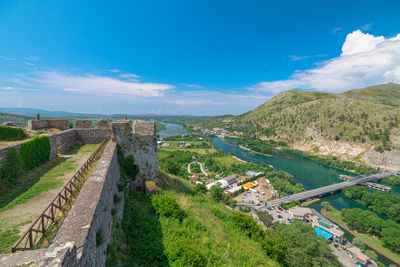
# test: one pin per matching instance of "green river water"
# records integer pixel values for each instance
(309, 173)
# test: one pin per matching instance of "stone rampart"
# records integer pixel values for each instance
(142, 147)
(83, 124)
(92, 136)
(77, 242)
(48, 124)
(144, 127)
(104, 124)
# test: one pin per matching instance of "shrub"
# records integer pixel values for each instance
(166, 205)
(34, 152)
(99, 238)
(201, 188)
(12, 133)
(130, 168)
(216, 193)
(117, 199)
(10, 168)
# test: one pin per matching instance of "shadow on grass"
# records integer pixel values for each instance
(171, 183)
(142, 233)
(27, 180)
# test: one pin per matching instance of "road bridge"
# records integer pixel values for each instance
(358, 180)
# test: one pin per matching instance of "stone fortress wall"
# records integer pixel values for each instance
(76, 241)
(48, 124)
(86, 124)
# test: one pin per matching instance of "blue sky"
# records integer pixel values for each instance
(190, 57)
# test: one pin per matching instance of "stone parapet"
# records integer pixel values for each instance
(141, 127)
(48, 124)
(83, 124)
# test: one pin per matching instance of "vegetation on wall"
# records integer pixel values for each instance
(34, 152)
(10, 168)
(8, 133)
(128, 168)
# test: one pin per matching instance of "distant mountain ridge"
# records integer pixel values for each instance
(31, 112)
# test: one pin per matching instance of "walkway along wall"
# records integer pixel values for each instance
(77, 240)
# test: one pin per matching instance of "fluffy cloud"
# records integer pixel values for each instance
(365, 60)
(92, 84)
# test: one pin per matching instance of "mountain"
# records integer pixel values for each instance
(352, 123)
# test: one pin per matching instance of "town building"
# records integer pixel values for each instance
(359, 256)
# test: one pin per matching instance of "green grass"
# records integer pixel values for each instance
(371, 241)
(43, 178)
(226, 161)
(202, 238)
(9, 234)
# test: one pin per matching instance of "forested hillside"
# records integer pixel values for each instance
(361, 116)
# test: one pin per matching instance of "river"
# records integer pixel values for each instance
(171, 130)
(309, 173)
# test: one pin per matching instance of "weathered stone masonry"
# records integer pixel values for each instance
(75, 243)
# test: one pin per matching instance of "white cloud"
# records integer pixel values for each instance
(191, 85)
(33, 58)
(7, 58)
(365, 60)
(92, 84)
(115, 70)
(335, 30)
(129, 76)
(29, 64)
(366, 27)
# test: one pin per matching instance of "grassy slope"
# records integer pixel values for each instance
(43, 178)
(291, 112)
(202, 235)
(371, 241)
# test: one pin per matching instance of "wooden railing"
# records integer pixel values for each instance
(38, 228)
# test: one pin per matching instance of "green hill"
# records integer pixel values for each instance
(19, 120)
(357, 116)
(181, 226)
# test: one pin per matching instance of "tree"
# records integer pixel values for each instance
(201, 188)
(372, 254)
(359, 243)
(304, 247)
(265, 218)
(326, 205)
(216, 193)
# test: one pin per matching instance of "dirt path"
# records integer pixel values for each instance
(36, 205)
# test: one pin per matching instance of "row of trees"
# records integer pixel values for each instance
(365, 221)
(380, 202)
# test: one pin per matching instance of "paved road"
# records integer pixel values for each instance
(201, 168)
(326, 189)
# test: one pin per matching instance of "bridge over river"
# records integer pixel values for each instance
(358, 180)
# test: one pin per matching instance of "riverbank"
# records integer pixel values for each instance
(371, 241)
(310, 202)
(255, 152)
(239, 159)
